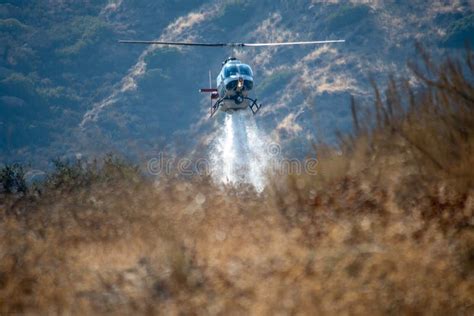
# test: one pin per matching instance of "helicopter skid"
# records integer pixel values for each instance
(231, 105)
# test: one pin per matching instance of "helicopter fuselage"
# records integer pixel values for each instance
(234, 83)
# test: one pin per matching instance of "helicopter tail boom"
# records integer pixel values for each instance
(208, 90)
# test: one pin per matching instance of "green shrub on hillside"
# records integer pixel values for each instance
(20, 85)
(12, 26)
(347, 15)
(233, 12)
(81, 32)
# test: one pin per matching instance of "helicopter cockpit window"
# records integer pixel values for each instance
(231, 70)
(245, 70)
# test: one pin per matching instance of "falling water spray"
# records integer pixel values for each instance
(240, 154)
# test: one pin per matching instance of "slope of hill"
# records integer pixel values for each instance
(67, 87)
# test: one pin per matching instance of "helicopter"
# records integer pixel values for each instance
(235, 80)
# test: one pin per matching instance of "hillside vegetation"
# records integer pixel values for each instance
(385, 227)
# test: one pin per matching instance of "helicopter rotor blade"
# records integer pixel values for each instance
(173, 43)
(291, 43)
(228, 44)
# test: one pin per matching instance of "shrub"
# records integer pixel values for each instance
(415, 142)
(12, 179)
(347, 15)
(69, 175)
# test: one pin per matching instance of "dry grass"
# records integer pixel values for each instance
(386, 227)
